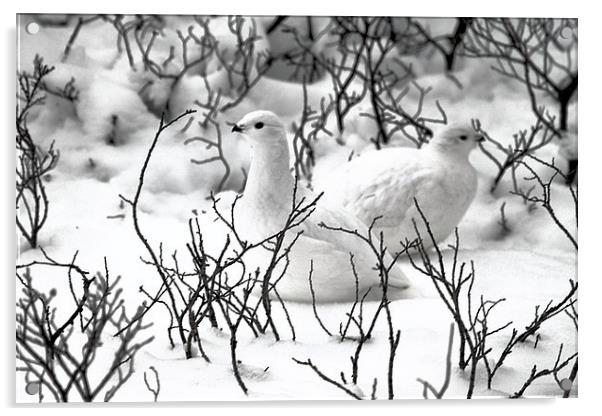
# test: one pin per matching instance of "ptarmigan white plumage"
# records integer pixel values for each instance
(265, 206)
(385, 183)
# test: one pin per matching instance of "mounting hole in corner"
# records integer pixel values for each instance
(32, 387)
(566, 384)
(32, 28)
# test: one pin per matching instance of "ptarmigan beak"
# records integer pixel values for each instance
(237, 129)
(481, 139)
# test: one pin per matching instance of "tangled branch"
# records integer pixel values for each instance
(60, 356)
(33, 162)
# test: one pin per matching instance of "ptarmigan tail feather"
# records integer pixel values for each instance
(407, 293)
(399, 287)
(397, 279)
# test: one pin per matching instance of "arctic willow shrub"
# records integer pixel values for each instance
(33, 162)
(58, 342)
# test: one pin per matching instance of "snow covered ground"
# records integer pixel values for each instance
(529, 261)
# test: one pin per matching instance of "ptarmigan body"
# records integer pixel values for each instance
(265, 206)
(385, 183)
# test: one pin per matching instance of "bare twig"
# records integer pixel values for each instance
(220, 157)
(448, 45)
(545, 198)
(33, 162)
(324, 377)
(528, 50)
(448, 365)
(60, 362)
(558, 365)
(154, 390)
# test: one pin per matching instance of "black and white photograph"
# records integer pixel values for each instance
(295, 207)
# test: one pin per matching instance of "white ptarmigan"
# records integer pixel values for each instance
(265, 206)
(385, 183)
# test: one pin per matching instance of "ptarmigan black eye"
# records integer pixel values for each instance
(463, 137)
(259, 125)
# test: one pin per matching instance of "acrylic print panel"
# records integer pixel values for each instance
(303, 208)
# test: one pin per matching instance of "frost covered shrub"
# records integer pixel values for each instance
(59, 355)
(161, 51)
(449, 45)
(367, 68)
(471, 314)
(541, 54)
(33, 162)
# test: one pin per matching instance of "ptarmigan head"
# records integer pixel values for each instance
(458, 138)
(261, 128)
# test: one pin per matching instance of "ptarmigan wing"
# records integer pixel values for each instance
(340, 244)
(383, 185)
(333, 217)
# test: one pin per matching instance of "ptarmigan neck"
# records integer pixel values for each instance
(270, 182)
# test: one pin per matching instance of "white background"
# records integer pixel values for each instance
(590, 272)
